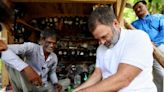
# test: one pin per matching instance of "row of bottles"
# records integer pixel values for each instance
(61, 23)
(75, 54)
(74, 43)
(18, 29)
(20, 34)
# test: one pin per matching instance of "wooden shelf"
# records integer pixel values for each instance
(69, 1)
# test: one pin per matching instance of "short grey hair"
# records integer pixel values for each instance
(48, 33)
(104, 15)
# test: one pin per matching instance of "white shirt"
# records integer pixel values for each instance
(133, 48)
(34, 57)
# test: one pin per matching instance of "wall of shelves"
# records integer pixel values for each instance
(76, 48)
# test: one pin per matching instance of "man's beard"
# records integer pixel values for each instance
(115, 38)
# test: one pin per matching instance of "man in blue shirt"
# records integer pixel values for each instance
(153, 25)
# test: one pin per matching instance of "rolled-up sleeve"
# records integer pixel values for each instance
(10, 56)
(13, 60)
(22, 49)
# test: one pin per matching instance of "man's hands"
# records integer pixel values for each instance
(58, 87)
(32, 76)
(128, 26)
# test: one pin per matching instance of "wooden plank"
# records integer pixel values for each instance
(70, 1)
(117, 7)
(120, 16)
(5, 78)
(4, 35)
(61, 9)
(27, 25)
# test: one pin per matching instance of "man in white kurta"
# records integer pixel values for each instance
(130, 49)
(124, 57)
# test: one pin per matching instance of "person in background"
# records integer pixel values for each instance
(37, 71)
(6, 18)
(120, 63)
(153, 25)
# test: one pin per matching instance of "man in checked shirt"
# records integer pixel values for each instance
(37, 73)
